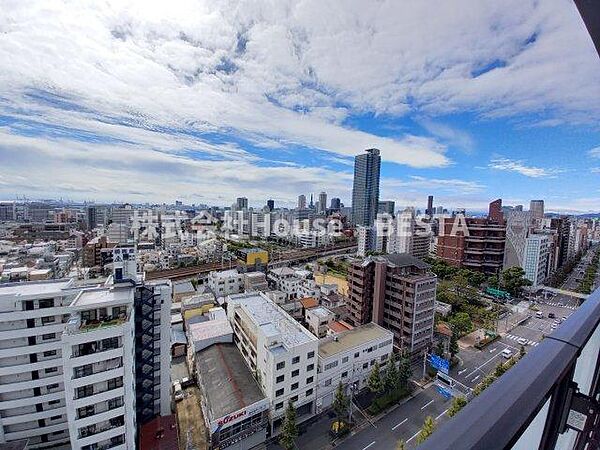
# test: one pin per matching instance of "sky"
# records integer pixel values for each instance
(206, 101)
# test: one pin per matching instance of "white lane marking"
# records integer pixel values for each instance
(461, 371)
(441, 414)
(476, 378)
(414, 436)
(493, 350)
(372, 443)
(396, 426)
(426, 405)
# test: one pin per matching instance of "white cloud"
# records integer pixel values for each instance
(520, 167)
(595, 170)
(595, 152)
(429, 185)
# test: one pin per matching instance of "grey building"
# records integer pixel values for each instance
(242, 203)
(365, 190)
(387, 206)
(322, 203)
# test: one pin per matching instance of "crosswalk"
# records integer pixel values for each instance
(561, 305)
(516, 338)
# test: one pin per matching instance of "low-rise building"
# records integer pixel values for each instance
(318, 320)
(226, 283)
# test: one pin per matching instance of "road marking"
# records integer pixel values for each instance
(476, 378)
(426, 405)
(493, 350)
(396, 426)
(441, 414)
(414, 436)
(461, 371)
(372, 443)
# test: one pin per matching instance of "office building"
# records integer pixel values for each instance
(91, 217)
(387, 206)
(270, 205)
(518, 225)
(241, 203)
(349, 357)
(396, 292)
(476, 244)
(535, 258)
(322, 203)
(536, 210)
(302, 201)
(365, 189)
(336, 204)
(429, 211)
(276, 348)
(495, 211)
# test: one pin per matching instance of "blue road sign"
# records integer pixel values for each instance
(445, 392)
(441, 364)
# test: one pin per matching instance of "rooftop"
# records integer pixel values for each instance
(35, 288)
(159, 434)
(102, 297)
(208, 330)
(271, 319)
(349, 339)
(226, 382)
(321, 312)
(309, 302)
(404, 260)
(225, 273)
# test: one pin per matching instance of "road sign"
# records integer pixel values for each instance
(445, 392)
(439, 363)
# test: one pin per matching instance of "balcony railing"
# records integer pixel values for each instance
(549, 400)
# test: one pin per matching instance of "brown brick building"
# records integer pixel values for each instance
(397, 292)
(481, 249)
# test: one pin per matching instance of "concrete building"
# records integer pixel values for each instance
(318, 320)
(255, 281)
(302, 201)
(281, 353)
(98, 354)
(365, 237)
(8, 212)
(536, 210)
(429, 211)
(241, 203)
(322, 203)
(495, 211)
(518, 225)
(365, 189)
(396, 292)
(535, 258)
(476, 244)
(226, 282)
(387, 206)
(336, 204)
(349, 357)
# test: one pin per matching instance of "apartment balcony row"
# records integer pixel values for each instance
(549, 400)
(77, 324)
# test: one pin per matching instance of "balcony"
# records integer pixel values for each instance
(549, 400)
(77, 325)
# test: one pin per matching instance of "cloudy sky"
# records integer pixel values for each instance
(204, 101)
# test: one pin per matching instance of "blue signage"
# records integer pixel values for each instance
(445, 392)
(441, 364)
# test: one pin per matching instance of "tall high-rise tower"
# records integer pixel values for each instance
(429, 211)
(302, 201)
(322, 203)
(536, 209)
(365, 191)
(495, 211)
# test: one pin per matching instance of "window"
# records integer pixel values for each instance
(51, 370)
(52, 386)
(114, 383)
(48, 303)
(310, 367)
(295, 373)
(310, 355)
(309, 380)
(372, 362)
(331, 365)
(115, 403)
(50, 353)
(365, 365)
(279, 405)
(357, 354)
(55, 417)
(54, 402)
(295, 360)
(309, 392)
(344, 374)
(327, 382)
(280, 365)
(48, 336)
(294, 398)
(384, 357)
(279, 379)
(344, 360)
(279, 392)
(48, 319)
(294, 386)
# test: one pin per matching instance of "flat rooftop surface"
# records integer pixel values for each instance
(352, 338)
(211, 328)
(321, 312)
(28, 288)
(104, 297)
(227, 383)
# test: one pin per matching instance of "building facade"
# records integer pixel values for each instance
(365, 189)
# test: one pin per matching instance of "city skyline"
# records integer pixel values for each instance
(202, 104)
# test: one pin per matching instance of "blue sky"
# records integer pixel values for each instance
(205, 101)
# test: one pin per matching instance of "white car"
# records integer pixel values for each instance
(506, 353)
(522, 341)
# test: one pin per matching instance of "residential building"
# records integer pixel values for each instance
(536, 210)
(92, 251)
(397, 292)
(365, 189)
(281, 353)
(475, 243)
(365, 237)
(8, 212)
(302, 201)
(226, 282)
(322, 203)
(318, 320)
(535, 258)
(429, 210)
(348, 357)
(495, 211)
(255, 281)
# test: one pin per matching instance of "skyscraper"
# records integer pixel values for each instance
(365, 190)
(336, 204)
(242, 203)
(271, 204)
(536, 209)
(495, 211)
(429, 211)
(322, 203)
(387, 206)
(302, 201)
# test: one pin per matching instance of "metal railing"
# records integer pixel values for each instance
(549, 400)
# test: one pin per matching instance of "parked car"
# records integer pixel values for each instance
(506, 353)
(522, 341)
(551, 315)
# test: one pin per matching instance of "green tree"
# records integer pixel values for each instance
(513, 280)
(341, 402)
(401, 445)
(427, 430)
(500, 369)
(391, 380)
(461, 323)
(457, 404)
(289, 429)
(374, 382)
(404, 372)
(522, 351)
(453, 345)
(439, 348)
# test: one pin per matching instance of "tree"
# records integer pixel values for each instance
(289, 429)
(522, 351)
(457, 404)
(439, 348)
(453, 345)
(374, 382)
(404, 372)
(513, 280)
(427, 430)
(341, 402)
(401, 445)
(500, 369)
(391, 380)
(461, 323)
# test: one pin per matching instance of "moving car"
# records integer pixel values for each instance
(522, 341)
(506, 353)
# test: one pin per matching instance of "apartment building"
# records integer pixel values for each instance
(318, 320)
(396, 292)
(98, 353)
(475, 243)
(535, 258)
(281, 353)
(32, 399)
(226, 283)
(349, 357)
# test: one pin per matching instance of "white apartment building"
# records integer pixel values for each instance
(318, 320)
(226, 283)
(535, 258)
(32, 400)
(349, 357)
(281, 353)
(98, 352)
(284, 279)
